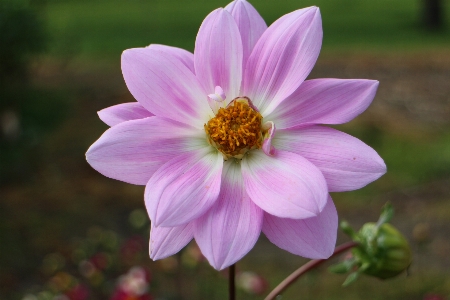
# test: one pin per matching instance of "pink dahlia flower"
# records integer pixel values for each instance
(227, 139)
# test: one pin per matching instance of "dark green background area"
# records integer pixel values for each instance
(49, 195)
(103, 28)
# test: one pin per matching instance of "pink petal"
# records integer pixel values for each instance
(284, 185)
(230, 229)
(218, 54)
(313, 238)
(250, 23)
(165, 86)
(132, 151)
(346, 162)
(184, 187)
(217, 100)
(119, 113)
(166, 241)
(283, 58)
(325, 101)
(267, 146)
(186, 57)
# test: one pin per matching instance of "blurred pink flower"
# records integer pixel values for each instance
(252, 283)
(133, 285)
(226, 139)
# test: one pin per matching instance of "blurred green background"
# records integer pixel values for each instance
(60, 63)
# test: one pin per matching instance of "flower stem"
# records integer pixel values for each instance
(231, 282)
(305, 268)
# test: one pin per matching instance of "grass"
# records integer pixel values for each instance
(103, 29)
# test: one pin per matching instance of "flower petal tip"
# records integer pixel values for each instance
(312, 8)
(154, 255)
(313, 238)
(127, 53)
(316, 11)
(383, 168)
(221, 265)
(373, 84)
(166, 241)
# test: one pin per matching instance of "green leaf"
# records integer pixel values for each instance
(345, 227)
(342, 267)
(351, 278)
(386, 215)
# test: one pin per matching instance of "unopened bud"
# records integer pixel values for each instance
(382, 250)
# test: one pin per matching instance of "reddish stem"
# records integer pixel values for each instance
(305, 268)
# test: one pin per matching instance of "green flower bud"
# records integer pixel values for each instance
(384, 251)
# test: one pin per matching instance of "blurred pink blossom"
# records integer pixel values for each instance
(133, 286)
(252, 283)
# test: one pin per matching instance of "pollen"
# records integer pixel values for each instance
(235, 129)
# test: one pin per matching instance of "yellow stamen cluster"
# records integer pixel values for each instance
(235, 129)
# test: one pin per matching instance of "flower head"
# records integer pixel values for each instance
(227, 139)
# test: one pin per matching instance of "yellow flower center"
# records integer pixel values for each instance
(235, 129)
